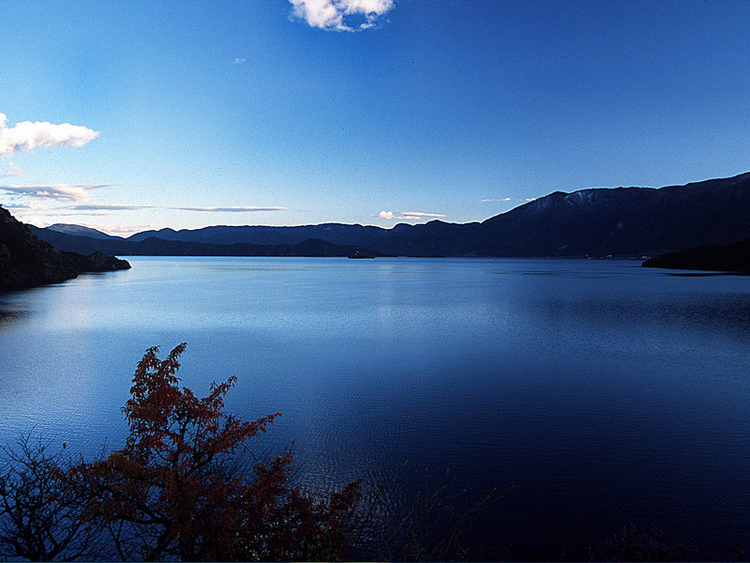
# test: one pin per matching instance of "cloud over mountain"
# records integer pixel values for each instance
(409, 215)
(125, 207)
(75, 193)
(109, 207)
(27, 136)
(232, 209)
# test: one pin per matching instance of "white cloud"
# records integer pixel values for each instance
(57, 213)
(238, 61)
(78, 196)
(490, 200)
(341, 15)
(109, 207)
(420, 214)
(27, 136)
(75, 193)
(9, 170)
(528, 199)
(232, 209)
(125, 207)
(39, 205)
(409, 215)
(71, 200)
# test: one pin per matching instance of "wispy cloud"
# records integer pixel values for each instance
(491, 200)
(409, 215)
(78, 195)
(420, 214)
(341, 15)
(232, 209)
(9, 170)
(27, 136)
(123, 207)
(75, 193)
(109, 207)
(58, 213)
(240, 61)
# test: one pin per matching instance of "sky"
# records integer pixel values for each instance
(126, 116)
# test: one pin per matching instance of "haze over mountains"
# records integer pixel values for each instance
(623, 222)
(78, 230)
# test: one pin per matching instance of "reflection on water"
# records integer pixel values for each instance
(8, 316)
(11, 309)
(600, 392)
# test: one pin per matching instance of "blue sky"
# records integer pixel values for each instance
(190, 114)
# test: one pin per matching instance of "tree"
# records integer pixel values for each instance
(40, 516)
(179, 488)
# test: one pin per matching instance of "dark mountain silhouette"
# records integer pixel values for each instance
(335, 233)
(153, 246)
(626, 222)
(621, 222)
(26, 261)
(436, 238)
(734, 257)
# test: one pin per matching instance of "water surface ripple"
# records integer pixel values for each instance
(597, 392)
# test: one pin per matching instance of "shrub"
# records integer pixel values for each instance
(176, 490)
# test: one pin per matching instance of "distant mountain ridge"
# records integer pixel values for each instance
(596, 222)
(335, 233)
(153, 246)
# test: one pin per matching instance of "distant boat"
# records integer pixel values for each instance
(357, 255)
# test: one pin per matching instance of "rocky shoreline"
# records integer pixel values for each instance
(26, 261)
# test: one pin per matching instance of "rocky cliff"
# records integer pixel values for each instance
(26, 261)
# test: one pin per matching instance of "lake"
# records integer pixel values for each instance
(594, 393)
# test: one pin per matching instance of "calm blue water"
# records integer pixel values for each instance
(599, 393)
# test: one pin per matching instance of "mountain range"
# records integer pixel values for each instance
(701, 225)
(598, 222)
(621, 222)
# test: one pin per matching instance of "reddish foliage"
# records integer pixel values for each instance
(176, 490)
